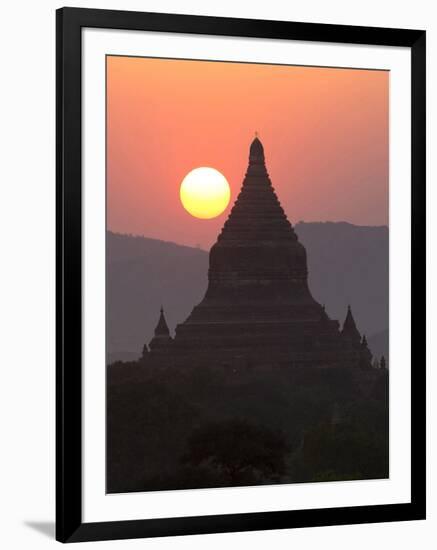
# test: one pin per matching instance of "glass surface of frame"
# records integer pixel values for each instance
(256, 493)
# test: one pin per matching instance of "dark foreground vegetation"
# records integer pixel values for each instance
(215, 427)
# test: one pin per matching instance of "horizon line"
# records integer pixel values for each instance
(199, 247)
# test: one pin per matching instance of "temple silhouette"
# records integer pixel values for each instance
(258, 308)
(258, 365)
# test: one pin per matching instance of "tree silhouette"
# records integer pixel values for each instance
(242, 452)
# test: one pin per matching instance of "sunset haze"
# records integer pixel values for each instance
(324, 130)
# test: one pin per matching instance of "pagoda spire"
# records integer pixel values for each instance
(162, 327)
(350, 331)
(257, 214)
(256, 153)
(162, 338)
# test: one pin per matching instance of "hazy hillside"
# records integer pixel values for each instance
(142, 274)
(347, 264)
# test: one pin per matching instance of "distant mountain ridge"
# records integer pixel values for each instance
(347, 264)
(142, 275)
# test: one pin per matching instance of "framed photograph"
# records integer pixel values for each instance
(240, 274)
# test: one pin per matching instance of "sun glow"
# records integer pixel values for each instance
(205, 193)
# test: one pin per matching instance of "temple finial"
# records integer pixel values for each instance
(350, 330)
(162, 327)
(256, 154)
(162, 337)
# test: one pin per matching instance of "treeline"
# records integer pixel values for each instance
(200, 427)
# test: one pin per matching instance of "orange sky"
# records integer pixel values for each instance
(325, 135)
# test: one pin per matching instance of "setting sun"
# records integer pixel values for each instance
(205, 193)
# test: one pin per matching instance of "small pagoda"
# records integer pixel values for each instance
(161, 341)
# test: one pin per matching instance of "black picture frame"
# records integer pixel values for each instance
(69, 525)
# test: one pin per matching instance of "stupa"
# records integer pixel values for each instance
(258, 307)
